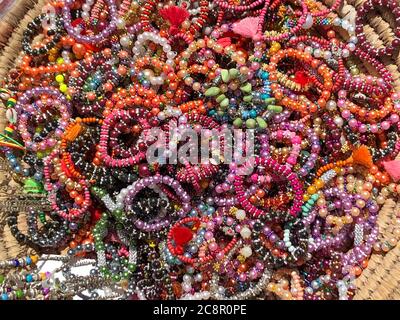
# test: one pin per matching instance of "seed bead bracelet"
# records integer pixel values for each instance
(331, 50)
(81, 151)
(280, 170)
(32, 142)
(280, 136)
(85, 83)
(212, 45)
(131, 158)
(362, 13)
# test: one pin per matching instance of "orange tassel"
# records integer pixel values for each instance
(362, 156)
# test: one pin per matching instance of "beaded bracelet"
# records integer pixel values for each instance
(72, 214)
(322, 70)
(157, 179)
(90, 39)
(167, 12)
(281, 171)
(362, 13)
(112, 161)
(34, 26)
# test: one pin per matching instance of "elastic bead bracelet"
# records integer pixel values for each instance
(278, 169)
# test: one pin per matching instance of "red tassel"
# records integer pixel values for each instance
(301, 78)
(393, 169)
(181, 235)
(175, 15)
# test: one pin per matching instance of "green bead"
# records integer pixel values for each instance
(237, 122)
(261, 122)
(1, 278)
(247, 98)
(42, 217)
(117, 213)
(274, 108)
(103, 269)
(269, 101)
(251, 123)
(224, 103)
(225, 75)
(246, 87)
(132, 267)
(19, 293)
(315, 196)
(213, 91)
(234, 73)
(220, 98)
(116, 277)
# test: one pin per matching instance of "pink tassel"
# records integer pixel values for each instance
(224, 41)
(175, 15)
(247, 27)
(393, 169)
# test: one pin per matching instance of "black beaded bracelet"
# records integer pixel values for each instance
(54, 232)
(33, 28)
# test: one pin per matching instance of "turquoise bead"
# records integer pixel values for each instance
(29, 278)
